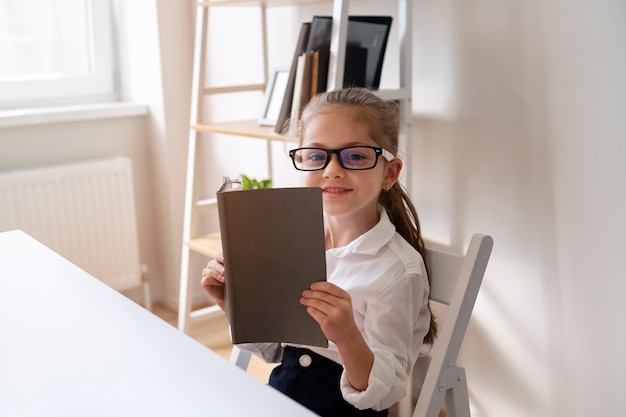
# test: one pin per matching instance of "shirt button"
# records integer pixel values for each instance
(305, 360)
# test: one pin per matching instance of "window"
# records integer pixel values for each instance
(55, 52)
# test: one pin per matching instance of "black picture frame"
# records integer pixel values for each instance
(367, 39)
(274, 93)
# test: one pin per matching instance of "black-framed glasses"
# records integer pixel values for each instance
(352, 157)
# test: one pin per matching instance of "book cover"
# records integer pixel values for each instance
(319, 41)
(302, 87)
(273, 246)
(322, 72)
(285, 109)
(370, 33)
(315, 65)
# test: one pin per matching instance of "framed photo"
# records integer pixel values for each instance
(274, 93)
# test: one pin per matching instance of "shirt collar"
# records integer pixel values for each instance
(370, 242)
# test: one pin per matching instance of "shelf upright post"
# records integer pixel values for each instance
(266, 72)
(195, 115)
(405, 15)
(338, 41)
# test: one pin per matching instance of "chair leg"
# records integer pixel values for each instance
(457, 401)
(147, 297)
(241, 358)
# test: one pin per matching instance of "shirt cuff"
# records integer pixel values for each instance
(380, 384)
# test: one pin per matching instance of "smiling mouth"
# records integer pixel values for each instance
(336, 190)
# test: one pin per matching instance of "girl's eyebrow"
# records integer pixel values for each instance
(346, 145)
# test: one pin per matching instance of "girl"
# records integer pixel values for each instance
(373, 307)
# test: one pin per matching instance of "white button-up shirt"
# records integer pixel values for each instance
(386, 279)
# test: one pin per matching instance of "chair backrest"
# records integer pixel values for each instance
(455, 281)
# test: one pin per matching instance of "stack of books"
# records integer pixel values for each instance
(365, 50)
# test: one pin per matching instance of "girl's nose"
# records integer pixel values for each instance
(334, 168)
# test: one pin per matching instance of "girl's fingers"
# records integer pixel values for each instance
(213, 274)
(329, 288)
(327, 292)
(213, 279)
(317, 304)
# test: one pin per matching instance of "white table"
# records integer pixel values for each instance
(72, 346)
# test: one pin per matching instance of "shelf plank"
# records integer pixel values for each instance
(248, 128)
(209, 202)
(213, 310)
(393, 94)
(209, 245)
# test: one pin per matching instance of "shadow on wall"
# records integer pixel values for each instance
(497, 374)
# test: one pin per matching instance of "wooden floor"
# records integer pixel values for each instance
(213, 333)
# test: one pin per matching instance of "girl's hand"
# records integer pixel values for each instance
(213, 279)
(331, 307)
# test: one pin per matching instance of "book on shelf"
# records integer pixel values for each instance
(273, 247)
(367, 38)
(285, 108)
(302, 86)
(319, 41)
(315, 67)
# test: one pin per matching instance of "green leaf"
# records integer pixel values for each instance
(248, 183)
(267, 183)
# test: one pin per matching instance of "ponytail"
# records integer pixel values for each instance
(403, 215)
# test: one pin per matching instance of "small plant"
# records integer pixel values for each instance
(251, 183)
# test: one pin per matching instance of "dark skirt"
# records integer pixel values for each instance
(313, 381)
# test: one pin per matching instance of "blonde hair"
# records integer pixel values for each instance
(382, 117)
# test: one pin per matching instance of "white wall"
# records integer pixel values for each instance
(153, 70)
(519, 133)
(587, 87)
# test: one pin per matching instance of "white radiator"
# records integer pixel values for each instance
(85, 211)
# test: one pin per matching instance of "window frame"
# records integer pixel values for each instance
(97, 87)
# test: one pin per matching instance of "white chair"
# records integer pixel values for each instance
(455, 281)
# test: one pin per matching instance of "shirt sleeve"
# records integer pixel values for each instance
(269, 352)
(388, 316)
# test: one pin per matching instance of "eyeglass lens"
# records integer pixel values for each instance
(355, 157)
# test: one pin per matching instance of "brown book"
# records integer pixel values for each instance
(273, 246)
(319, 41)
(285, 109)
(302, 87)
(315, 67)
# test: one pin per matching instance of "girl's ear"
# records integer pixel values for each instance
(392, 172)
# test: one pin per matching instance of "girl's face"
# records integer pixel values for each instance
(346, 192)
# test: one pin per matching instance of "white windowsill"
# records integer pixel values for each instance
(44, 115)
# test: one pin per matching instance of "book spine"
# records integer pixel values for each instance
(285, 108)
(296, 104)
(229, 299)
(315, 64)
(319, 41)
